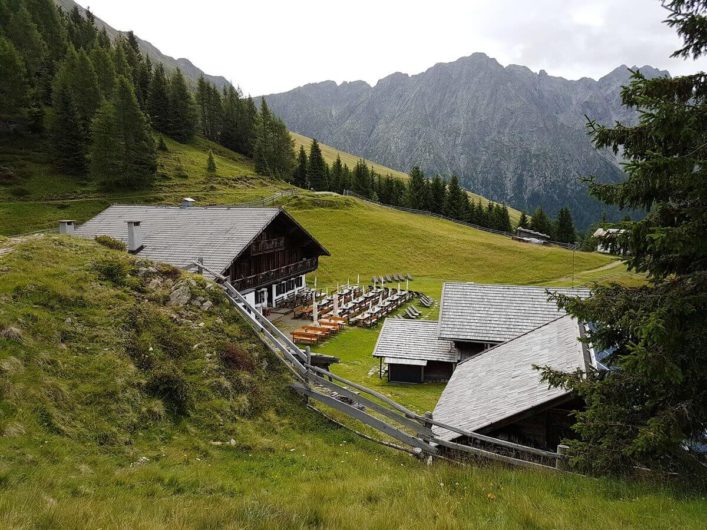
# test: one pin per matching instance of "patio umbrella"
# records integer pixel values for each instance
(398, 287)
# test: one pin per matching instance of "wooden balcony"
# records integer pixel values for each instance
(275, 275)
(267, 245)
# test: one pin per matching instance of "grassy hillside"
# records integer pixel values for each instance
(92, 436)
(330, 153)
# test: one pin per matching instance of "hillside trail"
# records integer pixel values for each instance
(579, 276)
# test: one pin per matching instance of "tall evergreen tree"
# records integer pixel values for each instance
(438, 194)
(653, 401)
(316, 169)
(13, 81)
(300, 175)
(336, 176)
(211, 163)
(181, 117)
(105, 70)
(273, 152)
(523, 221)
(417, 190)
(361, 179)
(454, 206)
(69, 143)
(565, 231)
(247, 121)
(158, 100)
(123, 150)
(84, 86)
(540, 222)
(24, 35)
(230, 118)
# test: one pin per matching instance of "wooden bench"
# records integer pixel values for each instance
(302, 337)
(323, 331)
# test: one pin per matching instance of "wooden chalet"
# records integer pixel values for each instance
(264, 252)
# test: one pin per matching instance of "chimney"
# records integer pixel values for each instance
(134, 237)
(67, 226)
(187, 202)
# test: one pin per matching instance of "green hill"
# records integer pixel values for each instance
(119, 410)
(330, 153)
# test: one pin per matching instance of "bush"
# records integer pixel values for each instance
(19, 192)
(168, 384)
(109, 242)
(161, 146)
(233, 356)
(112, 270)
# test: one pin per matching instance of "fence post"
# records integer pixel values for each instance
(561, 462)
(200, 266)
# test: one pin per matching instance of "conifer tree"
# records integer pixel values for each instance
(211, 163)
(361, 179)
(247, 121)
(13, 81)
(300, 175)
(181, 117)
(316, 168)
(417, 189)
(105, 70)
(158, 100)
(273, 151)
(565, 231)
(84, 86)
(68, 136)
(229, 123)
(123, 151)
(454, 206)
(161, 146)
(540, 222)
(523, 221)
(336, 175)
(438, 194)
(24, 35)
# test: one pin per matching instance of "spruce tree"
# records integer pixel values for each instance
(361, 179)
(123, 150)
(523, 221)
(540, 222)
(158, 100)
(438, 194)
(273, 151)
(336, 175)
(247, 121)
(13, 82)
(653, 402)
(24, 35)
(454, 206)
(300, 175)
(69, 142)
(230, 119)
(181, 117)
(417, 189)
(211, 163)
(565, 231)
(84, 85)
(105, 70)
(316, 168)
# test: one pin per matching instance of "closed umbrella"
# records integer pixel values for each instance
(336, 305)
(315, 313)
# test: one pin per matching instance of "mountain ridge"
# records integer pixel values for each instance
(511, 134)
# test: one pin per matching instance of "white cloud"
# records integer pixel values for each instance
(274, 45)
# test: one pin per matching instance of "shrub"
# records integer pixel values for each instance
(112, 270)
(168, 384)
(19, 192)
(161, 146)
(168, 271)
(109, 242)
(233, 356)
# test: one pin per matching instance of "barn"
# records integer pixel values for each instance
(264, 252)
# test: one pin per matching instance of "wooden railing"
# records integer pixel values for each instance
(267, 245)
(258, 280)
(376, 410)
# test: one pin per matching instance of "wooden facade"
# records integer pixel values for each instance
(283, 250)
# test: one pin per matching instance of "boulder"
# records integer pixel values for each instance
(180, 296)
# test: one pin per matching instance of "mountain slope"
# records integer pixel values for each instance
(512, 135)
(191, 72)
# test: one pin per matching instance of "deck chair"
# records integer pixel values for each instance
(415, 312)
(388, 278)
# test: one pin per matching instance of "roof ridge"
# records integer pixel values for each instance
(516, 338)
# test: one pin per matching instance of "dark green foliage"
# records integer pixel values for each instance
(105, 70)
(456, 204)
(438, 195)
(211, 163)
(565, 231)
(114, 270)
(273, 151)
(111, 243)
(230, 122)
(299, 177)
(23, 33)
(540, 222)
(210, 107)
(161, 146)
(316, 167)
(361, 179)
(158, 100)
(84, 86)
(123, 151)
(181, 116)
(417, 190)
(68, 136)
(655, 397)
(523, 221)
(13, 81)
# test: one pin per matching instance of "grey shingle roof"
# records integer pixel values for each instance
(177, 235)
(495, 313)
(413, 339)
(501, 382)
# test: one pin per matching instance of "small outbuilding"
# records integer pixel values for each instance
(499, 392)
(413, 353)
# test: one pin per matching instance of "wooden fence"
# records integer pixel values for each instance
(378, 411)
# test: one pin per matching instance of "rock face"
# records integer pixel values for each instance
(510, 134)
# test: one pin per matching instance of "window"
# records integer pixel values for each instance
(281, 288)
(298, 281)
(290, 285)
(260, 296)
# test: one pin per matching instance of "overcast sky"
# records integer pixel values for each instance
(267, 46)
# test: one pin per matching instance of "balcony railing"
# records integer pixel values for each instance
(267, 245)
(274, 275)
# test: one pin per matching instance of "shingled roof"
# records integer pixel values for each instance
(501, 382)
(178, 236)
(413, 340)
(475, 312)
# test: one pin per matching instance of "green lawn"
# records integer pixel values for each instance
(85, 443)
